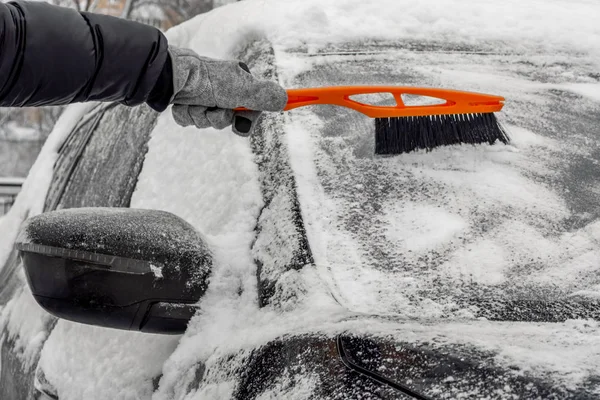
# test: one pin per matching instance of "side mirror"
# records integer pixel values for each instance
(116, 267)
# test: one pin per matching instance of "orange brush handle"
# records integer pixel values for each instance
(457, 102)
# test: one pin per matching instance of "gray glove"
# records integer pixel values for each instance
(207, 90)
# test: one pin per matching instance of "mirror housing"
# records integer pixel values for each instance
(141, 270)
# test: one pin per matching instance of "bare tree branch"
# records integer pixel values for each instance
(127, 8)
(94, 5)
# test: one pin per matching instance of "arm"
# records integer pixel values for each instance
(51, 55)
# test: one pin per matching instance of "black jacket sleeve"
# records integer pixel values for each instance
(52, 55)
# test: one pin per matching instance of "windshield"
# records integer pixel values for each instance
(503, 232)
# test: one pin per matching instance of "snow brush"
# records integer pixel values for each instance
(464, 117)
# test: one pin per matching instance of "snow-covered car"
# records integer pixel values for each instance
(464, 272)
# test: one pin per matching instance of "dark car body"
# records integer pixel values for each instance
(344, 347)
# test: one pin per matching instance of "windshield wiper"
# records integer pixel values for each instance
(374, 376)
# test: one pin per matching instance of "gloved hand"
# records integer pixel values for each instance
(207, 90)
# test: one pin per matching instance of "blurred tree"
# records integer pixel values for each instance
(85, 5)
(162, 13)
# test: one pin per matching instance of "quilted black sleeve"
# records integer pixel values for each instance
(52, 55)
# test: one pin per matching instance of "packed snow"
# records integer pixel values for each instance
(87, 362)
(210, 179)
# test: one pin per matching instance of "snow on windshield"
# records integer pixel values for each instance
(445, 189)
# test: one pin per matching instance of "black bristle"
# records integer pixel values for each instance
(406, 134)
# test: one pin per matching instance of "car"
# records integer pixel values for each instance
(463, 272)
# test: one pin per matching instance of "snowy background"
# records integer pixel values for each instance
(421, 236)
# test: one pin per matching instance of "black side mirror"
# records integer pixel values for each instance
(116, 267)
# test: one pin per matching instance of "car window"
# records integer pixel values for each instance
(461, 230)
(98, 165)
(102, 160)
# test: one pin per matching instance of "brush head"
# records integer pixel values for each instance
(405, 134)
